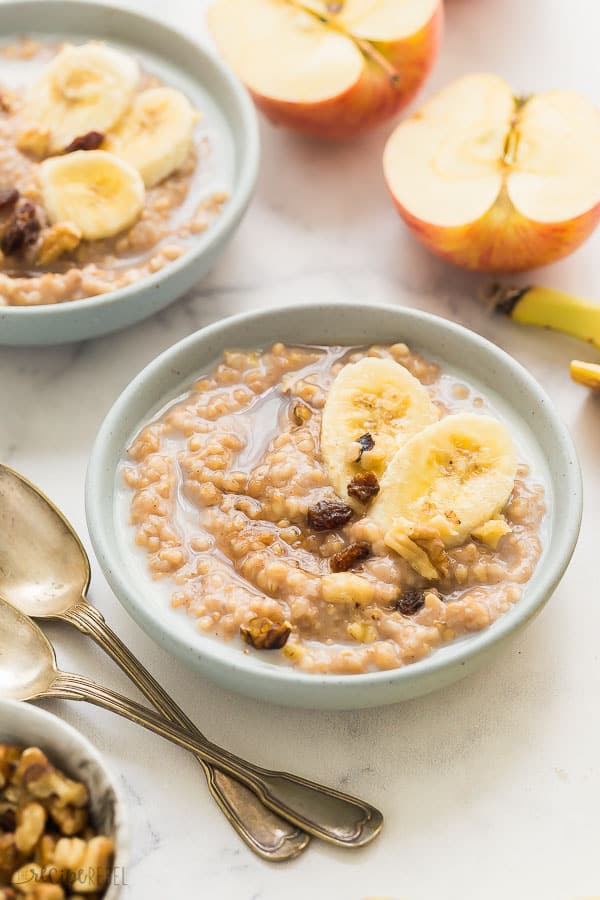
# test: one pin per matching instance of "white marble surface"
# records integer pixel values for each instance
(490, 789)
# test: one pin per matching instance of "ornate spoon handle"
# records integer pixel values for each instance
(268, 835)
(322, 811)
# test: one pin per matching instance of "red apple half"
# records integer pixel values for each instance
(494, 183)
(329, 69)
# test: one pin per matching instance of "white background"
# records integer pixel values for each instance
(490, 789)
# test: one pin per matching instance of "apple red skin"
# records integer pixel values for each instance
(373, 98)
(503, 240)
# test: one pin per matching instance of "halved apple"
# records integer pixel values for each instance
(330, 69)
(496, 183)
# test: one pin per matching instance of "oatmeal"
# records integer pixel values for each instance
(343, 510)
(106, 174)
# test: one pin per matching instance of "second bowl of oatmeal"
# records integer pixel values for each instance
(327, 509)
(129, 155)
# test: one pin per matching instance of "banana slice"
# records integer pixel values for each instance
(96, 191)
(85, 88)
(461, 469)
(379, 401)
(157, 134)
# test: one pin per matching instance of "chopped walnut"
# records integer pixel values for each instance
(345, 587)
(31, 821)
(421, 546)
(90, 141)
(86, 864)
(362, 632)
(58, 240)
(34, 140)
(364, 486)
(349, 556)
(327, 515)
(264, 634)
(301, 414)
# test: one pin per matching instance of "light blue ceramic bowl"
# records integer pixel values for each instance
(29, 726)
(182, 64)
(515, 396)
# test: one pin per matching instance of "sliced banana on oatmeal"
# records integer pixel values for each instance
(94, 190)
(373, 408)
(455, 475)
(156, 135)
(84, 88)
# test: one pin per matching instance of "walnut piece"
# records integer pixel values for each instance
(58, 240)
(31, 821)
(34, 140)
(421, 546)
(345, 587)
(264, 634)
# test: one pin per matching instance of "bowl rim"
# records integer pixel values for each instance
(20, 709)
(457, 653)
(240, 196)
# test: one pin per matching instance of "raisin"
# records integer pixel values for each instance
(365, 442)
(8, 197)
(364, 486)
(329, 514)
(410, 602)
(349, 556)
(264, 634)
(90, 141)
(21, 230)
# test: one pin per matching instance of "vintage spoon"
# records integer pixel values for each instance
(28, 671)
(45, 573)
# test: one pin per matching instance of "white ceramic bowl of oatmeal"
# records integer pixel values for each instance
(203, 507)
(100, 285)
(25, 725)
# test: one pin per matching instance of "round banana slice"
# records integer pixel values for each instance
(156, 135)
(461, 471)
(96, 191)
(374, 407)
(85, 88)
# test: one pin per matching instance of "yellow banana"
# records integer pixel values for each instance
(586, 373)
(551, 309)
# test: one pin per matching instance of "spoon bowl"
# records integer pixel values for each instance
(44, 569)
(27, 659)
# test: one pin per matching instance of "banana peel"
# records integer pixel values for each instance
(550, 309)
(586, 373)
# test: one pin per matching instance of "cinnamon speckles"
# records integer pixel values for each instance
(329, 514)
(348, 557)
(363, 487)
(264, 634)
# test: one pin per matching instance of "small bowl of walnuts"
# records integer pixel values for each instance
(62, 829)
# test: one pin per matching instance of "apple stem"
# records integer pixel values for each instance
(365, 47)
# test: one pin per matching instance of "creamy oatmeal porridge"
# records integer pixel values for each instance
(106, 173)
(349, 510)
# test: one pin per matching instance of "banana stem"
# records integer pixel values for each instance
(365, 47)
(550, 309)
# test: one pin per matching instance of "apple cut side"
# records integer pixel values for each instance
(329, 69)
(494, 183)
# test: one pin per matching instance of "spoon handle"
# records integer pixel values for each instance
(322, 811)
(271, 837)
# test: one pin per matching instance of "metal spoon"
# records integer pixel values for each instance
(45, 573)
(28, 671)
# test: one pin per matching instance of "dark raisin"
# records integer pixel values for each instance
(90, 141)
(8, 820)
(365, 442)
(22, 229)
(8, 197)
(364, 486)
(349, 556)
(264, 634)
(410, 602)
(329, 514)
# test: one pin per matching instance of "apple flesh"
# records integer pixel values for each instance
(329, 69)
(497, 184)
